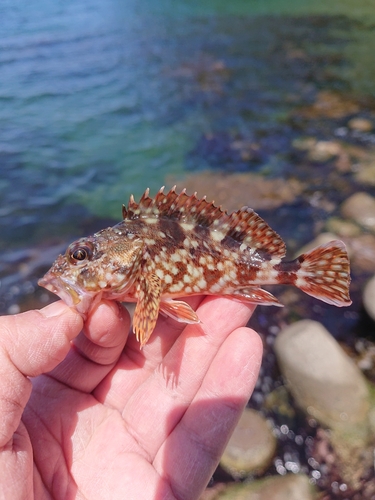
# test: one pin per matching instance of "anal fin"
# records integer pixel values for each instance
(178, 310)
(255, 295)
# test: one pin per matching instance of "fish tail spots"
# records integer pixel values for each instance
(324, 273)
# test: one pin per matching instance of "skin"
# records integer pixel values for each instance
(86, 414)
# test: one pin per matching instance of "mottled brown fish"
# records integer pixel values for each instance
(176, 245)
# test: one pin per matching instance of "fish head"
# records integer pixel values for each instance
(104, 265)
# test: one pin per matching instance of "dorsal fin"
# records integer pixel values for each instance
(247, 226)
(244, 226)
(174, 206)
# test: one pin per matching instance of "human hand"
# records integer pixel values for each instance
(109, 421)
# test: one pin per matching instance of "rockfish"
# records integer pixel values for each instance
(175, 245)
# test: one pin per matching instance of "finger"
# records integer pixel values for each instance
(96, 349)
(190, 357)
(31, 343)
(136, 365)
(190, 454)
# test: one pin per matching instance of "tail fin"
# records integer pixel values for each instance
(324, 273)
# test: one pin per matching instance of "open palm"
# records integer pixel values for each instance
(112, 421)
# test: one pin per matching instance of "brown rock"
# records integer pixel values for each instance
(366, 174)
(330, 104)
(360, 124)
(235, 190)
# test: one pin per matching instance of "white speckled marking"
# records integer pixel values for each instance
(187, 226)
(159, 273)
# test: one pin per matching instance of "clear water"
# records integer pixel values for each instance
(101, 99)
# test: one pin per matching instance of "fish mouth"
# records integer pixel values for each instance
(72, 295)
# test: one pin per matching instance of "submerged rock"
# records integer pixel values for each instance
(251, 448)
(289, 487)
(329, 104)
(234, 190)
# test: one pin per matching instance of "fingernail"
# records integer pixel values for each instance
(54, 309)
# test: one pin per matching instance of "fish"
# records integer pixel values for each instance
(175, 245)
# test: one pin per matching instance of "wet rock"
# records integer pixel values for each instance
(321, 239)
(360, 207)
(329, 387)
(366, 174)
(251, 448)
(361, 250)
(369, 298)
(304, 143)
(343, 228)
(235, 190)
(323, 151)
(330, 104)
(322, 378)
(346, 459)
(360, 124)
(318, 151)
(289, 487)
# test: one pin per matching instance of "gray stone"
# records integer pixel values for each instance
(360, 207)
(251, 448)
(324, 381)
(369, 298)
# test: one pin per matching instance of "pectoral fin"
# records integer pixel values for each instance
(147, 308)
(256, 295)
(179, 311)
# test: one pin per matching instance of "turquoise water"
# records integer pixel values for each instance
(101, 99)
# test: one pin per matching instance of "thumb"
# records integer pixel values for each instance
(31, 343)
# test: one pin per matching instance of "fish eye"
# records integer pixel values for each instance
(79, 253)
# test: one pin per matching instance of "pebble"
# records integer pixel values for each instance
(343, 228)
(288, 487)
(366, 174)
(324, 151)
(321, 239)
(360, 207)
(361, 250)
(324, 381)
(360, 124)
(369, 298)
(251, 448)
